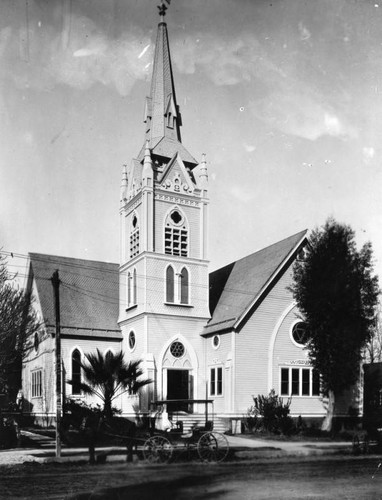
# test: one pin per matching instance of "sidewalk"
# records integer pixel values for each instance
(243, 448)
(246, 447)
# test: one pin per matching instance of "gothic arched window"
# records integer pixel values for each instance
(134, 298)
(184, 286)
(129, 278)
(76, 372)
(131, 288)
(176, 234)
(170, 288)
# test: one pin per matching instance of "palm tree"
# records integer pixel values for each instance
(110, 376)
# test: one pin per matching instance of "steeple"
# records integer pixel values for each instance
(162, 114)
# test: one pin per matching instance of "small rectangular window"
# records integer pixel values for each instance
(37, 384)
(219, 382)
(216, 381)
(299, 381)
(284, 381)
(212, 382)
(305, 382)
(295, 381)
(316, 383)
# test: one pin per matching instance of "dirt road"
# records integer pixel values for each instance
(324, 478)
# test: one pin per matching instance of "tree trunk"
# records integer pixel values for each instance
(328, 419)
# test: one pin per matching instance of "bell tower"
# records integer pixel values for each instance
(163, 258)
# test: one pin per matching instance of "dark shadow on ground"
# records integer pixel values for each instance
(160, 490)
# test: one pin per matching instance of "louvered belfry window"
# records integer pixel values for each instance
(134, 238)
(176, 235)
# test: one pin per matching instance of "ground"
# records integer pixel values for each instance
(341, 477)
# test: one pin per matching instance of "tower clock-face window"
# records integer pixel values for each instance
(176, 235)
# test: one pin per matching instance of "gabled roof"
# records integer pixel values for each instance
(236, 288)
(88, 295)
(176, 163)
(166, 147)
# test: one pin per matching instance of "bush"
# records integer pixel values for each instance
(8, 433)
(271, 414)
(77, 411)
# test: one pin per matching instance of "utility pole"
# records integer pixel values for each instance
(56, 294)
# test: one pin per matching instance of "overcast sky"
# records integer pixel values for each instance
(283, 96)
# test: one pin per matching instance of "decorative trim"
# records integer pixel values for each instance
(177, 200)
(178, 304)
(272, 343)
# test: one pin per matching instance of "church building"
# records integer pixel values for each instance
(225, 336)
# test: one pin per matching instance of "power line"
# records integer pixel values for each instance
(115, 273)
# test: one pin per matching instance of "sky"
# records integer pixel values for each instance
(283, 96)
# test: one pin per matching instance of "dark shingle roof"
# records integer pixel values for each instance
(166, 147)
(88, 294)
(235, 287)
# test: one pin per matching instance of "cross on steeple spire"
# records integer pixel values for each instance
(162, 9)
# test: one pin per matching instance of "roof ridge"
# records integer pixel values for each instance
(77, 259)
(305, 231)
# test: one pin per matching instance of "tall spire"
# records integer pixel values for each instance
(162, 115)
(162, 112)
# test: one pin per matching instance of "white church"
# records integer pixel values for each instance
(226, 336)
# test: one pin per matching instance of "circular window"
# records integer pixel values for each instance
(299, 333)
(131, 340)
(177, 349)
(215, 341)
(176, 217)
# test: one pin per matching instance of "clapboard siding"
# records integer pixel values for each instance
(42, 359)
(221, 356)
(253, 341)
(286, 353)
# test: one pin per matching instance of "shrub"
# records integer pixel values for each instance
(271, 413)
(8, 433)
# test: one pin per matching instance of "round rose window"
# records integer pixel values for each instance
(131, 340)
(177, 349)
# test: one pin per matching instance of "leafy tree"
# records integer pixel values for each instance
(18, 327)
(337, 295)
(373, 352)
(109, 376)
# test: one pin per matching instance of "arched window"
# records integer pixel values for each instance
(129, 277)
(131, 288)
(134, 237)
(183, 284)
(170, 284)
(76, 372)
(176, 234)
(134, 286)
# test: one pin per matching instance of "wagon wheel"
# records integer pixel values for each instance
(157, 449)
(213, 447)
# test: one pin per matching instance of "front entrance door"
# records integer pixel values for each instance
(178, 388)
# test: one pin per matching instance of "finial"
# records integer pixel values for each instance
(203, 175)
(162, 9)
